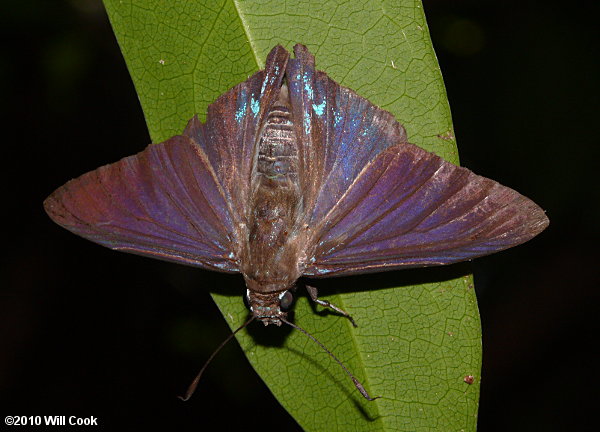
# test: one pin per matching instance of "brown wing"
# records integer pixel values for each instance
(182, 200)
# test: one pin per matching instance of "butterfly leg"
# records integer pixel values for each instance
(314, 295)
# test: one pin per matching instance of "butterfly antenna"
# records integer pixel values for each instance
(356, 382)
(192, 388)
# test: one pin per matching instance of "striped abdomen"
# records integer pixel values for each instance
(278, 151)
(276, 205)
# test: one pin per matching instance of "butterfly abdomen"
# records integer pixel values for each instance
(278, 149)
(276, 203)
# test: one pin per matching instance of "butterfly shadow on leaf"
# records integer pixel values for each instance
(382, 281)
(332, 380)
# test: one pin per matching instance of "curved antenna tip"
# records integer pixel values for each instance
(356, 382)
(192, 387)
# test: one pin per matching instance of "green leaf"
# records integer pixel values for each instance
(415, 343)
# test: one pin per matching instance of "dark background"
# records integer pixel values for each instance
(86, 331)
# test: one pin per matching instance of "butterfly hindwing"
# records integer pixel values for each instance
(370, 200)
(340, 132)
(233, 126)
(377, 202)
(185, 199)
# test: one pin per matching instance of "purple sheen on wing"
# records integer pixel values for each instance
(409, 208)
(345, 132)
(164, 202)
(369, 201)
(363, 132)
(233, 122)
(180, 200)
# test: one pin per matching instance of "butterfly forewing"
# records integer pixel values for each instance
(375, 202)
(410, 208)
(293, 174)
(164, 202)
(183, 200)
(369, 200)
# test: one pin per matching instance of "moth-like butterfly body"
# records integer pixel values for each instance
(293, 175)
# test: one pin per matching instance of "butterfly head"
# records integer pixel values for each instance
(270, 307)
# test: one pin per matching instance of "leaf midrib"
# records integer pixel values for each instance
(246, 28)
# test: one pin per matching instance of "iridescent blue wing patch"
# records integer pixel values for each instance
(183, 200)
(233, 125)
(375, 202)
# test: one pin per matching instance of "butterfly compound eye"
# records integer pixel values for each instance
(247, 300)
(285, 301)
